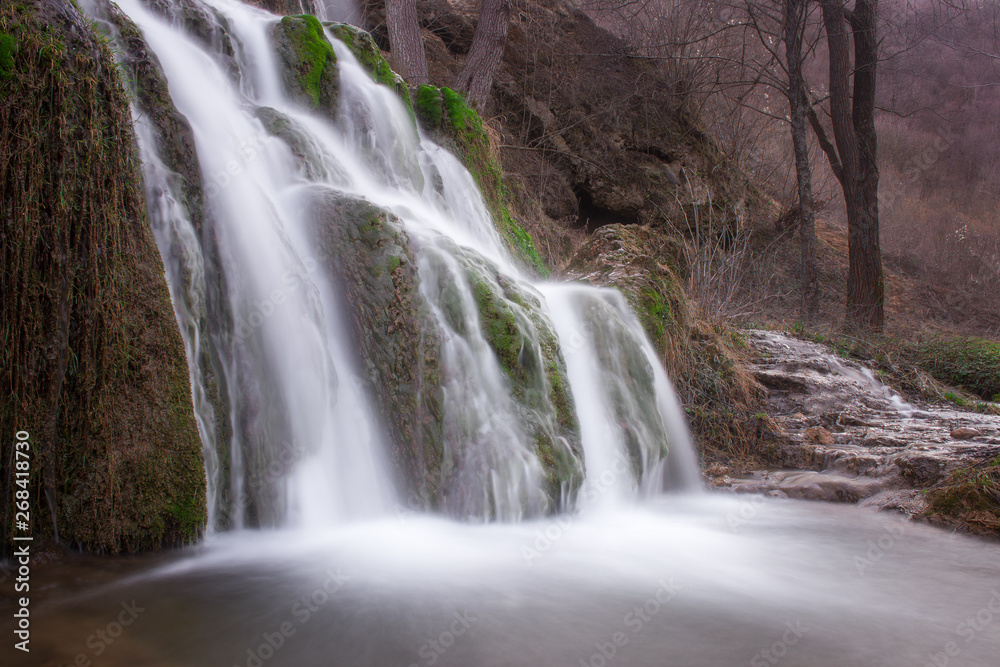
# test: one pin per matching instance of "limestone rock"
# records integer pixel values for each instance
(819, 435)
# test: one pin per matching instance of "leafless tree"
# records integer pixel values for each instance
(794, 25)
(854, 159)
(480, 66)
(408, 56)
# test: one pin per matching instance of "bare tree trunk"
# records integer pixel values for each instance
(854, 130)
(865, 283)
(795, 15)
(408, 57)
(476, 77)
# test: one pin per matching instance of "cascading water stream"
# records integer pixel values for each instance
(307, 444)
(534, 381)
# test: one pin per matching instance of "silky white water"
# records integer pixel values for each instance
(627, 576)
(288, 361)
(672, 582)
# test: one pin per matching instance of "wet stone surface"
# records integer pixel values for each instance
(844, 436)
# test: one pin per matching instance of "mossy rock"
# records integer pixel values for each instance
(369, 250)
(446, 115)
(93, 363)
(309, 62)
(628, 380)
(514, 322)
(370, 57)
(705, 360)
(297, 139)
(399, 338)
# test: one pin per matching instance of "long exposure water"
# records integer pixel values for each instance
(327, 567)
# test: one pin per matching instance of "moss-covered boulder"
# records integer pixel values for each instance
(369, 251)
(450, 120)
(705, 360)
(305, 149)
(627, 378)
(398, 333)
(515, 324)
(309, 63)
(93, 365)
(370, 57)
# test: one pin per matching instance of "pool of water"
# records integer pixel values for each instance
(687, 580)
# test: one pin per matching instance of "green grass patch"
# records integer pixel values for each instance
(970, 497)
(970, 363)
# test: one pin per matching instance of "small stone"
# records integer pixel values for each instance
(964, 433)
(798, 416)
(718, 470)
(819, 435)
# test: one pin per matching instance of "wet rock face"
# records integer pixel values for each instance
(400, 340)
(95, 364)
(170, 128)
(847, 437)
(369, 251)
(309, 63)
(202, 23)
(525, 342)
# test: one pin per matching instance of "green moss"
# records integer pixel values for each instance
(499, 325)
(429, 106)
(7, 47)
(519, 241)
(654, 313)
(446, 110)
(970, 363)
(970, 497)
(463, 118)
(120, 437)
(315, 55)
(189, 515)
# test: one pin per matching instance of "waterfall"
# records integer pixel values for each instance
(521, 397)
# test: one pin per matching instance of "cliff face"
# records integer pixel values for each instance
(93, 363)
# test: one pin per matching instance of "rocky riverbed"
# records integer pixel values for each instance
(844, 436)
